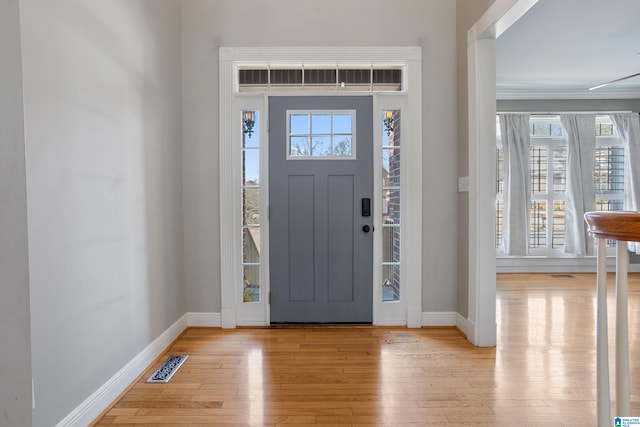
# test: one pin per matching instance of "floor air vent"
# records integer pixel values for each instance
(167, 369)
(562, 276)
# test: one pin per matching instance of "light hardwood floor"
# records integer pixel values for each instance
(542, 371)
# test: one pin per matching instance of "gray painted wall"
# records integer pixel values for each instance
(102, 91)
(208, 25)
(15, 345)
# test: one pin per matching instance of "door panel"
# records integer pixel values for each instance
(301, 238)
(320, 257)
(341, 228)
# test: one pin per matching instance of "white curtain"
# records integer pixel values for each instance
(580, 131)
(628, 126)
(517, 196)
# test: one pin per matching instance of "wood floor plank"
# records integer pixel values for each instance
(541, 373)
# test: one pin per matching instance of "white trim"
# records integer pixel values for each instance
(481, 64)
(500, 16)
(255, 313)
(204, 319)
(439, 318)
(100, 400)
(393, 313)
(467, 326)
(230, 58)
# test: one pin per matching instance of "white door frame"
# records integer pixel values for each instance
(233, 311)
(481, 66)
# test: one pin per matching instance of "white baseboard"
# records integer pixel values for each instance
(203, 319)
(439, 318)
(467, 326)
(450, 318)
(100, 400)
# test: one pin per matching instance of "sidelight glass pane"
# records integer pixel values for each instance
(391, 128)
(250, 206)
(391, 167)
(251, 283)
(250, 167)
(250, 129)
(390, 283)
(391, 206)
(391, 244)
(251, 245)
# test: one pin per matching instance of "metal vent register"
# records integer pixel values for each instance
(167, 369)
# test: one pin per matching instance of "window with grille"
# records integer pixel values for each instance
(310, 78)
(321, 135)
(391, 134)
(548, 174)
(250, 196)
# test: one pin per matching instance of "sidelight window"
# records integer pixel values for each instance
(390, 205)
(250, 189)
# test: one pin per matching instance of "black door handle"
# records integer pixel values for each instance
(365, 228)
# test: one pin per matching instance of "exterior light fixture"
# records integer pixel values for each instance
(247, 123)
(388, 122)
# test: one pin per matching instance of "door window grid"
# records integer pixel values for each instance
(321, 135)
(391, 133)
(548, 180)
(250, 196)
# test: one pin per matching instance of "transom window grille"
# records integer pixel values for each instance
(391, 133)
(321, 135)
(250, 189)
(548, 175)
(320, 78)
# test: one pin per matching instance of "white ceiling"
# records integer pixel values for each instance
(560, 48)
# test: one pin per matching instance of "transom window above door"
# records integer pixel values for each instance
(345, 78)
(321, 135)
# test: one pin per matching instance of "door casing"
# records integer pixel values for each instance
(406, 312)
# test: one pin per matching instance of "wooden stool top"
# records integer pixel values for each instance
(623, 226)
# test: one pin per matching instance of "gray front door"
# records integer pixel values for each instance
(320, 178)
